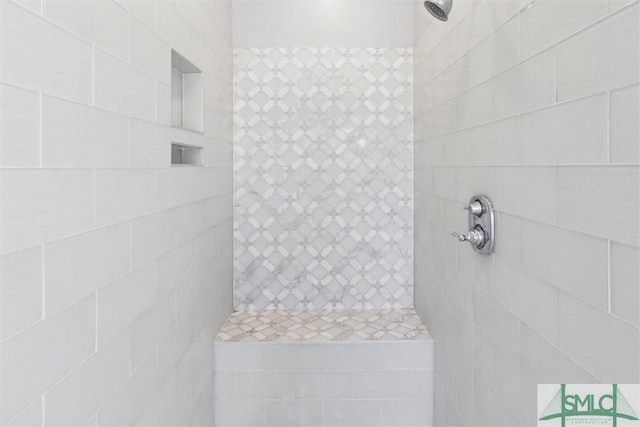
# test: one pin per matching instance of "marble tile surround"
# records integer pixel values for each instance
(323, 178)
(322, 325)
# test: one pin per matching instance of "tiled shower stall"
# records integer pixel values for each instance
(239, 212)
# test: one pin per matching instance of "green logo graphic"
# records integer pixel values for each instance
(565, 406)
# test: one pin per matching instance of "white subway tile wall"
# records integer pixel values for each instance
(323, 165)
(20, 132)
(356, 383)
(63, 66)
(550, 129)
(101, 325)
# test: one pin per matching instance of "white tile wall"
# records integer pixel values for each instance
(144, 11)
(150, 143)
(35, 5)
(124, 300)
(614, 212)
(92, 332)
(78, 266)
(32, 416)
(581, 325)
(80, 136)
(559, 300)
(41, 205)
(375, 383)
(527, 86)
(497, 53)
(540, 183)
(123, 88)
(19, 127)
(153, 235)
(625, 264)
(566, 134)
(73, 399)
(40, 356)
(475, 106)
(544, 24)
(496, 143)
(150, 327)
(602, 58)
(123, 194)
(101, 23)
(21, 290)
(558, 256)
(527, 297)
(406, 412)
(126, 404)
(313, 385)
(149, 52)
(623, 126)
(45, 58)
(546, 363)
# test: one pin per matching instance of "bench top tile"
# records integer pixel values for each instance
(322, 325)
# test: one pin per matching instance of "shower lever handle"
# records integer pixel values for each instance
(475, 236)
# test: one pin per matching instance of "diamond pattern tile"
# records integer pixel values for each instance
(322, 325)
(323, 178)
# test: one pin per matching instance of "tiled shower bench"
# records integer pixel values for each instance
(324, 368)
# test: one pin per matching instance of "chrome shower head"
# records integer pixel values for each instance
(440, 9)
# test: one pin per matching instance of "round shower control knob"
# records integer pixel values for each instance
(475, 208)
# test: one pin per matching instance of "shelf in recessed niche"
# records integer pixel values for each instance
(187, 96)
(182, 154)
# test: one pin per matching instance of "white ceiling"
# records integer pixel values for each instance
(326, 23)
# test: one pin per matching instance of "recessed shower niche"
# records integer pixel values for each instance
(187, 99)
(182, 154)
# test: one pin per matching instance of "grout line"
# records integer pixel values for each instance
(130, 38)
(93, 76)
(95, 199)
(608, 128)
(609, 277)
(557, 315)
(131, 267)
(512, 116)
(157, 103)
(555, 75)
(96, 323)
(42, 311)
(556, 195)
(22, 411)
(129, 143)
(40, 125)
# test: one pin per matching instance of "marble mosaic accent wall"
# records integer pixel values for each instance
(323, 178)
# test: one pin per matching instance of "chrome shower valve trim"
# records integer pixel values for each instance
(481, 233)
